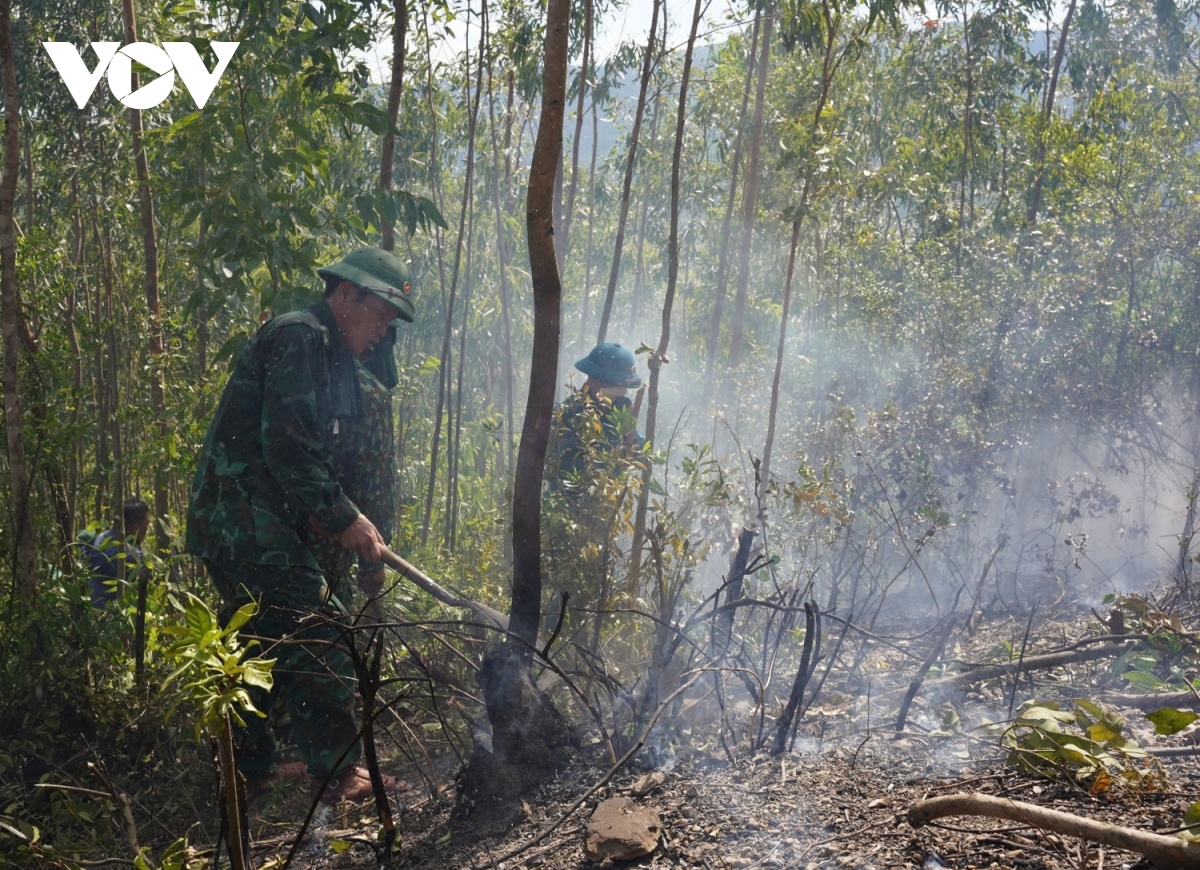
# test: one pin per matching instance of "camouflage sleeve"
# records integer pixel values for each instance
(292, 434)
(371, 478)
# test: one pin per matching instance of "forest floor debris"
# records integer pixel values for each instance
(839, 799)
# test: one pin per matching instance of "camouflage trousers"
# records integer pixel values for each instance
(314, 676)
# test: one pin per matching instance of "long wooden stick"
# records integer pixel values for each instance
(424, 582)
(1165, 853)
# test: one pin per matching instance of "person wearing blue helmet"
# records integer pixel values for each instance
(599, 415)
(592, 467)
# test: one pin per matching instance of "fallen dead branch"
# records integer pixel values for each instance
(1029, 663)
(1173, 751)
(1165, 853)
(1155, 701)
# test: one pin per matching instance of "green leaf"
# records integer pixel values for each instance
(1144, 681)
(1191, 821)
(1101, 733)
(241, 617)
(1169, 721)
(1044, 718)
(339, 846)
(259, 674)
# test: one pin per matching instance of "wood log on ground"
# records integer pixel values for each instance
(1156, 701)
(1029, 663)
(1165, 853)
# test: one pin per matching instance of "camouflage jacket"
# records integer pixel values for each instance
(364, 460)
(267, 460)
(590, 425)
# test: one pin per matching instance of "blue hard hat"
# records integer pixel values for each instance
(612, 364)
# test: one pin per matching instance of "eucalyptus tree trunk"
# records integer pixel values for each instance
(202, 308)
(750, 196)
(502, 268)
(659, 357)
(830, 62)
(965, 163)
(387, 153)
(76, 358)
(529, 735)
(150, 246)
(768, 448)
(452, 500)
(439, 199)
(10, 316)
(547, 310)
(1035, 197)
(639, 267)
(714, 328)
(102, 372)
(587, 259)
(569, 217)
(630, 160)
(445, 367)
(455, 446)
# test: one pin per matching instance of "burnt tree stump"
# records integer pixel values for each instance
(531, 740)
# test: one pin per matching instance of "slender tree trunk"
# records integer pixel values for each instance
(547, 301)
(558, 209)
(102, 371)
(72, 483)
(232, 797)
(25, 574)
(832, 22)
(509, 117)
(631, 159)
(750, 195)
(714, 329)
(1035, 197)
(528, 733)
(502, 267)
(456, 436)
(31, 188)
(202, 308)
(968, 103)
(445, 368)
(765, 467)
(452, 500)
(658, 358)
(387, 153)
(587, 265)
(584, 69)
(639, 269)
(150, 244)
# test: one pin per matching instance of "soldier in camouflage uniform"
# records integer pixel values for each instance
(593, 454)
(266, 485)
(364, 462)
(598, 415)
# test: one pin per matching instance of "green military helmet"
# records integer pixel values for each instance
(378, 271)
(612, 364)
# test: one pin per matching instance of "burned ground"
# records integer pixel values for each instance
(839, 798)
